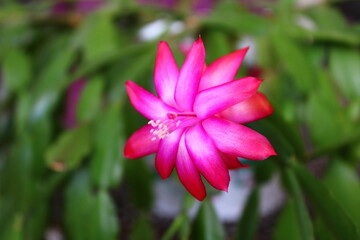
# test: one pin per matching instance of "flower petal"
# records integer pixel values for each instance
(232, 162)
(238, 140)
(222, 70)
(166, 154)
(140, 143)
(189, 77)
(146, 103)
(252, 109)
(166, 73)
(187, 172)
(215, 99)
(206, 157)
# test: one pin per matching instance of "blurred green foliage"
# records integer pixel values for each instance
(309, 58)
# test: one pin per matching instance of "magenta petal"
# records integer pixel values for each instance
(190, 75)
(222, 70)
(252, 109)
(166, 154)
(215, 99)
(146, 103)
(206, 157)
(140, 143)
(232, 162)
(187, 172)
(238, 140)
(166, 74)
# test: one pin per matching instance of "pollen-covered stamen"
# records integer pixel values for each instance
(162, 128)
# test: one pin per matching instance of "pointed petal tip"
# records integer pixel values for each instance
(199, 41)
(267, 154)
(162, 44)
(163, 172)
(200, 198)
(225, 188)
(129, 85)
(128, 152)
(162, 175)
(242, 51)
(273, 153)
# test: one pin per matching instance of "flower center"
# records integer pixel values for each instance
(162, 128)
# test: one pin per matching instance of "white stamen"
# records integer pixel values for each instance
(162, 128)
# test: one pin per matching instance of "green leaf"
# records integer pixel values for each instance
(287, 226)
(18, 173)
(77, 202)
(242, 21)
(175, 226)
(327, 206)
(344, 67)
(89, 216)
(35, 225)
(327, 17)
(69, 149)
(15, 231)
(303, 219)
(90, 99)
(294, 60)
(290, 132)
(218, 42)
(139, 179)
(142, 229)
(137, 65)
(106, 167)
(264, 171)
(321, 117)
(206, 225)
(102, 222)
(40, 134)
(17, 70)
(248, 223)
(98, 36)
(321, 231)
(22, 112)
(54, 76)
(343, 183)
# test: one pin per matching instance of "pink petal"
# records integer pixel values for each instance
(232, 162)
(206, 157)
(140, 143)
(166, 154)
(166, 74)
(146, 103)
(187, 172)
(190, 74)
(251, 109)
(215, 99)
(222, 70)
(238, 140)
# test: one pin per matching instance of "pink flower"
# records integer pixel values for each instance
(196, 120)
